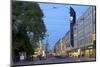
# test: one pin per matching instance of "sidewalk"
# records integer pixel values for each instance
(85, 59)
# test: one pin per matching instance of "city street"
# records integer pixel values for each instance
(54, 60)
(42, 35)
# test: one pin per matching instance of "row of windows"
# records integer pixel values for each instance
(85, 40)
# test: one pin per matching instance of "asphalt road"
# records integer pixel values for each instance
(53, 60)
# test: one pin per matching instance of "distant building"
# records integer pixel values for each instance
(67, 40)
(59, 47)
(63, 44)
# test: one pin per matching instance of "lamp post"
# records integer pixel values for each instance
(47, 44)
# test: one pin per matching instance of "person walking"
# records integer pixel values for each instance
(39, 55)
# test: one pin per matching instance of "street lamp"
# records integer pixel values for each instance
(71, 18)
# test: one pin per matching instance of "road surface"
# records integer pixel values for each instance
(53, 60)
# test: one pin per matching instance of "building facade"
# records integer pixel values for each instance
(85, 31)
(82, 33)
(60, 46)
(63, 45)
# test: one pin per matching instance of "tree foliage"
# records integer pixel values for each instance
(26, 19)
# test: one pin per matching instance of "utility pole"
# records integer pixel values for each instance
(47, 45)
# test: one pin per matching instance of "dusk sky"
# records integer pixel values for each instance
(56, 19)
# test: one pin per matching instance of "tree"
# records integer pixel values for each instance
(26, 19)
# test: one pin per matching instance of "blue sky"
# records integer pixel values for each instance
(56, 18)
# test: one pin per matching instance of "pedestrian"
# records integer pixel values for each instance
(40, 57)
